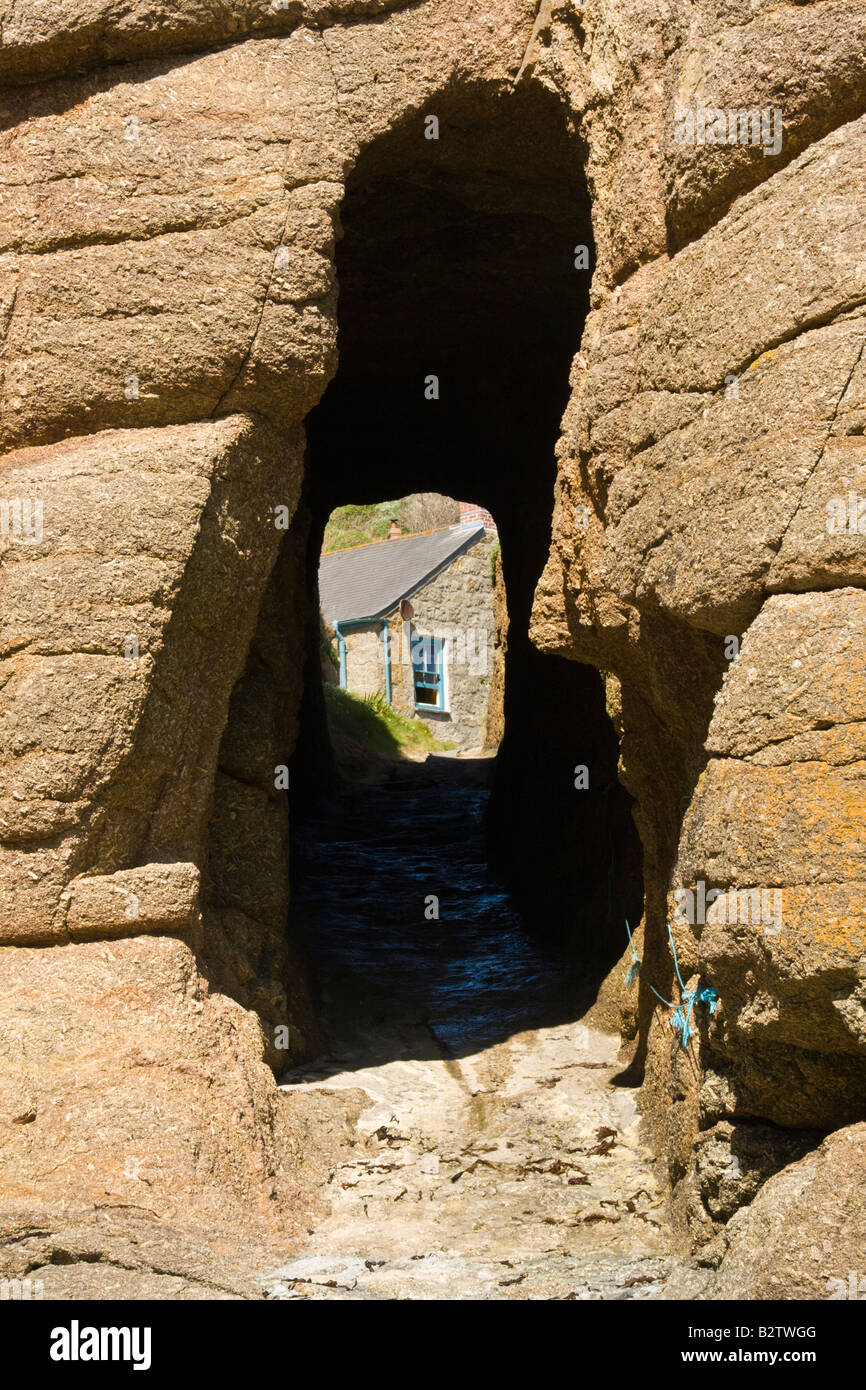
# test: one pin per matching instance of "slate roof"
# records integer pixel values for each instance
(369, 580)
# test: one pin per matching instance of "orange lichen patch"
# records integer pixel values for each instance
(804, 823)
(762, 360)
(825, 925)
(817, 929)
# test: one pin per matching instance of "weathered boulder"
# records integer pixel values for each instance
(146, 1150)
(797, 67)
(804, 1234)
(126, 623)
(94, 32)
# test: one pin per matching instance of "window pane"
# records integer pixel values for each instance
(427, 653)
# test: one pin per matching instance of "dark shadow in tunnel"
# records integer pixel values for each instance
(461, 308)
(417, 949)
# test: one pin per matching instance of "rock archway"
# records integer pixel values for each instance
(469, 253)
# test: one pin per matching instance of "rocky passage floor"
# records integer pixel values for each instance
(495, 1155)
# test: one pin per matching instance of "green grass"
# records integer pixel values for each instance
(370, 727)
(361, 523)
(358, 525)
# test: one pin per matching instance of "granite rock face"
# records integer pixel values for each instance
(708, 552)
(173, 180)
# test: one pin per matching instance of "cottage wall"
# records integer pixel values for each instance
(365, 660)
(457, 605)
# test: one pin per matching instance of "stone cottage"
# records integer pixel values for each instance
(413, 620)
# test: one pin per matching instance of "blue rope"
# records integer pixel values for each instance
(688, 998)
(634, 969)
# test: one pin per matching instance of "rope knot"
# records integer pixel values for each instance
(681, 1018)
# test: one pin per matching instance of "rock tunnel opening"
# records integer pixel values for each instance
(464, 266)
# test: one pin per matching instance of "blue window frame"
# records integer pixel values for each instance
(428, 672)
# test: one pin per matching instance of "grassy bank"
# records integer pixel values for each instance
(358, 525)
(366, 733)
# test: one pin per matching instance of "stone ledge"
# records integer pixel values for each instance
(151, 898)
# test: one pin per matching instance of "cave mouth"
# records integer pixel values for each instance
(464, 266)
